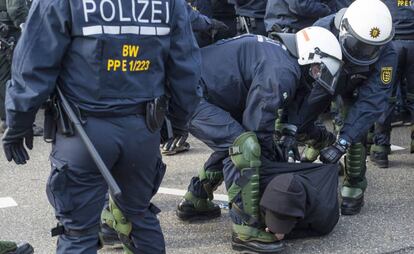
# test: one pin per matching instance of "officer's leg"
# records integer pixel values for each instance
(217, 129)
(4, 76)
(409, 74)
(139, 172)
(241, 175)
(381, 147)
(76, 188)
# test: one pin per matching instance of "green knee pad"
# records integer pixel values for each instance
(355, 182)
(245, 152)
(115, 219)
(211, 180)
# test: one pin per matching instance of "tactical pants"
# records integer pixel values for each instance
(77, 190)
(218, 130)
(405, 72)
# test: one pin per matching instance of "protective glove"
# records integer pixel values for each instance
(13, 144)
(216, 27)
(288, 146)
(333, 153)
(176, 144)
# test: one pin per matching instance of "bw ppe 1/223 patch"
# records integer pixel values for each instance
(386, 75)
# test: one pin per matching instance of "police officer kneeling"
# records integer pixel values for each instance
(111, 60)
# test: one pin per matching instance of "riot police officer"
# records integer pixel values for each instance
(112, 61)
(12, 15)
(364, 30)
(236, 119)
(293, 15)
(402, 13)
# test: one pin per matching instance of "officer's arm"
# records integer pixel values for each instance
(17, 11)
(309, 8)
(183, 66)
(37, 61)
(372, 98)
(199, 22)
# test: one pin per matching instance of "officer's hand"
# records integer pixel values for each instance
(287, 145)
(13, 144)
(217, 26)
(333, 153)
(176, 144)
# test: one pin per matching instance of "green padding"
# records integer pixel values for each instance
(233, 191)
(348, 192)
(250, 194)
(7, 247)
(200, 204)
(246, 233)
(380, 149)
(310, 154)
(245, 152)
(355, 161)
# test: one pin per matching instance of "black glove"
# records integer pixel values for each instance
(176, 144)
(333, 153)
(13, 144)
(288, 145)
(217, 26)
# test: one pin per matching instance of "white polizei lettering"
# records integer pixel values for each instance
(148, 30)
(90, 30)
(110, 18)
(133, 10)
(260, 38)
(163, 30)
(121, 14)
(144, 8)
(130, 30)
(111, 29)
(86, 10)
(154, 11)
(167, 14)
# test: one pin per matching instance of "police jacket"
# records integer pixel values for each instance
(13, 12)
(402, 12)
(368, 87)
(250, 8)
(199, 22)
(250, 77)
(295, 14)
(106, 56)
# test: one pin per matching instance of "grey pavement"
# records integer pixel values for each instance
(385, 225)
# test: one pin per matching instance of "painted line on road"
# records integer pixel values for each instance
(397, 148)
(7, 202)
(178, 192)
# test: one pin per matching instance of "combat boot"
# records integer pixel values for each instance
(252, 240)
(379, 155)
(7, 247)
(194, 208)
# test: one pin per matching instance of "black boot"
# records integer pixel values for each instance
(108, 235)
(193, 208)
(380, 159)
(351, 206)
(256, 246)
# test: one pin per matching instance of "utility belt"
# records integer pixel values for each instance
(56, 119)
(283, 29)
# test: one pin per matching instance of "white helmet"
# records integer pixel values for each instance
(366, 26)
(320, 48)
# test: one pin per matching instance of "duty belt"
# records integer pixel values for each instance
(137, 110)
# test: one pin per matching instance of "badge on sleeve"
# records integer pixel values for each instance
(386, 75)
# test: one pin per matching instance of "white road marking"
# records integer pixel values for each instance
(7, 202)
(178, 192)
(397, 148)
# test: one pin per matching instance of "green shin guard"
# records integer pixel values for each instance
(355, 182)
(115, 219)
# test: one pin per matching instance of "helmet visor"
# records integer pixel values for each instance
(357, 51)
(324, 77)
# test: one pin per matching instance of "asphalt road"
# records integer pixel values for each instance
(385, 225)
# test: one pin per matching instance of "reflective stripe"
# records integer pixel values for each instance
(111, 29)
(143, 30)
(89, 30)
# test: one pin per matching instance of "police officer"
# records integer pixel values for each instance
(364, 30)
(7, 247)
(250, 15)
(236, 120)
(12, 15)
(111, 60)
(293, 15)
(403, 18)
